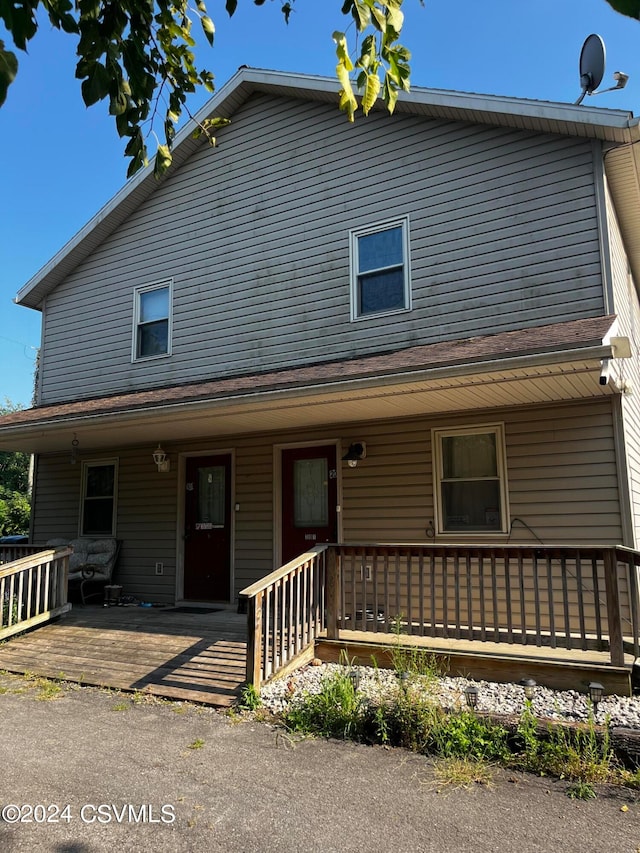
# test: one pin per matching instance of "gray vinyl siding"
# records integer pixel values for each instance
(561, 474)
(627, 371)
(254, 234)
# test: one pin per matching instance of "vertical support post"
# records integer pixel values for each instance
(63, 579)
(254, 640)
(333, 593)
(616, 648)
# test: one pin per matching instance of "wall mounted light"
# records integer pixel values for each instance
(356, 452)
(160, 458)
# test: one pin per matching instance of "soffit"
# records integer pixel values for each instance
(297, 409)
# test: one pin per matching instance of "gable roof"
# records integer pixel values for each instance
(615, 127)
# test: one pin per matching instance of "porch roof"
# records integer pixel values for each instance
(560, 361)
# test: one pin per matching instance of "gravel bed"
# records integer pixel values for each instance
(493, 697)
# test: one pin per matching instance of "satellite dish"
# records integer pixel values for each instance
(592, 59)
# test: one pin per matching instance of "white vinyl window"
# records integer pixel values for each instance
(99, 497)
(470, 480)
(380, 274)
(152, 321)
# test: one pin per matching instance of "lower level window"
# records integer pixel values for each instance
(99, 489)
(470, 480)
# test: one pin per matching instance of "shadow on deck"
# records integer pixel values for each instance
(181, 656)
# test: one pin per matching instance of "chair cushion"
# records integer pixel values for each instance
(97, 553)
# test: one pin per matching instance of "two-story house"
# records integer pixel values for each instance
(414, 329)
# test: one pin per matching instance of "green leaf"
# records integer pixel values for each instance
(208, 28)
(348, 101)
(163, 160)
(370, 94)
(96, 86)
(630, 8)
(379, 19)
(361, 14)
(8, 71)
(389, 93)
(118, 103)
(342, 50)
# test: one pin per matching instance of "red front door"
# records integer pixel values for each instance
(309, 499)
(207, 547)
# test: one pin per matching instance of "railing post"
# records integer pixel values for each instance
(63, 580)
(254, 640)
(616, 647)
(333, 593)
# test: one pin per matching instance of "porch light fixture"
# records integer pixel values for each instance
(471, 695)
(529, 685)
(596, 692)
(356, 452)
(160, 458)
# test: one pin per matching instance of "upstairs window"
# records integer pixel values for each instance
(380, 269)
(99, 490)
(470, 480)
(152, 321)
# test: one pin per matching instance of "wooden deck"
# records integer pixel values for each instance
(186, 656)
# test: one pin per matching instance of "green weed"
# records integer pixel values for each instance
(249, 698)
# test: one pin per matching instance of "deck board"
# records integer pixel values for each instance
(192, 657)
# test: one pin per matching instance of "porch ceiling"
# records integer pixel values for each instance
(493, 384)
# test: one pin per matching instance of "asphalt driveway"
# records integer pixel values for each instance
(90, 770)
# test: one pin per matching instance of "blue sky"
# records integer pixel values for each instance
(61, 162)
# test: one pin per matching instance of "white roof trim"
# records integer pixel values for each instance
(617, 126)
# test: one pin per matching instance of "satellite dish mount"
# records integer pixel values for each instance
(592, 61)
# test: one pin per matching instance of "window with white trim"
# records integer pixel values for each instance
(98, 501)
(470, 480)
(380, 275)
(152, 321)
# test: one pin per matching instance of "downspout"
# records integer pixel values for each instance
(33, 473)
(37, 388)
(622, 473)
(603, 230)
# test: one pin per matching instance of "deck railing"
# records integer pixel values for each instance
(9, 553)
(33, 589)
(575, 598)
(561, 597)
(285, 614)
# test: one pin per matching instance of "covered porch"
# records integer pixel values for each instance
(564, 616)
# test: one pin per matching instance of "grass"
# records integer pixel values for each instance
(465, 744)
(198, 743)
(462, 772)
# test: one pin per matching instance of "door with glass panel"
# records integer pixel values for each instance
(207, 546)
(309, 499)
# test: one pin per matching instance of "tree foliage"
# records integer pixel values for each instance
(139, 56)
(15, 505)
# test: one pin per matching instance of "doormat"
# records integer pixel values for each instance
(194, 610)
